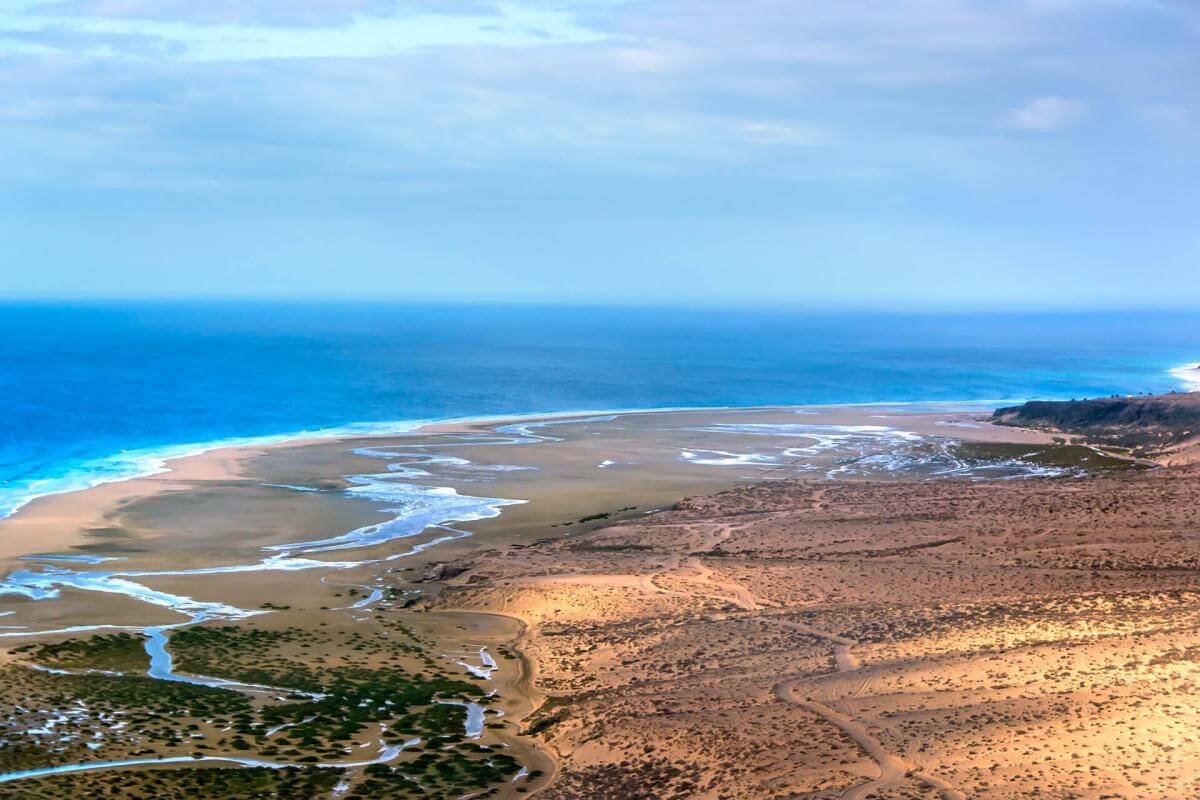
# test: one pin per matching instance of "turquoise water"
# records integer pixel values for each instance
(98, 392)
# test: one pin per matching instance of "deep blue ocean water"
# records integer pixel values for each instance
(96, 392)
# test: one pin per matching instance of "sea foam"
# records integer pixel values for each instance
(1188, 375)
(145, 462)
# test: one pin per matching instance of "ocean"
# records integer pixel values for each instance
(98, 392)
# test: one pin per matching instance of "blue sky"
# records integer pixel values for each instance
(889, 154)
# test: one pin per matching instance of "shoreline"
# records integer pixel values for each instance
(145, 462)
(1188, 374)
(182, 539)
(164, 563)
(154, 461)
(54, 518)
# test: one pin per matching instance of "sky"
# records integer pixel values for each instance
(884, 154)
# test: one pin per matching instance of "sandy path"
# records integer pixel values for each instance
(709, 577)
(849, 679)
(892, 767)
(843, 648)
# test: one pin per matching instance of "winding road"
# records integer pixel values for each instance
(817, 694)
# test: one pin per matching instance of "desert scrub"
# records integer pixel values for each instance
(439, 776)
(117, 652)
(359, 706)
(248, 655)
(1062, 456)
(181, 784)
(283, 657)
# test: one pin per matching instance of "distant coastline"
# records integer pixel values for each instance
(145, 462)
(99, 394)
(142, 463)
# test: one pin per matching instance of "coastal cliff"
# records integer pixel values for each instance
(1164, 427)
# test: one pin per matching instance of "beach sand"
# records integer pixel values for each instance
(602, 603)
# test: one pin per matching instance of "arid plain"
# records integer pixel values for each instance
(771, 603)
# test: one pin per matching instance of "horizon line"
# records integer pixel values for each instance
(633, 304)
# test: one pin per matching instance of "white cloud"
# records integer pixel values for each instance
(899, 89)
(784, 134)
(113, 28)
(292, 13)
(656, 58)
(1047, 113)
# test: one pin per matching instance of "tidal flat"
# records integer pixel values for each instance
(385, 616)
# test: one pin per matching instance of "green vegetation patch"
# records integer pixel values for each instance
(248, 655)
(442, 776)
(118, 652)
(292, 657)
(138, 693)
(1068, 456)
(180, 784)
(366, 694)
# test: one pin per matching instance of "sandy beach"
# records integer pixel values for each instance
(547, 572)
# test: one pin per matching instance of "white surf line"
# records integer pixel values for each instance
(1188, 375)
(413, 465)
(408, 469)
(417, 509)
(132, 464)
(727, 459)
(387, 753)
(48, 583)
(824, 438)
(525, 428)
(142, 463)
(898, 461)
(511, 433)
(859, 441)
(420, 509)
